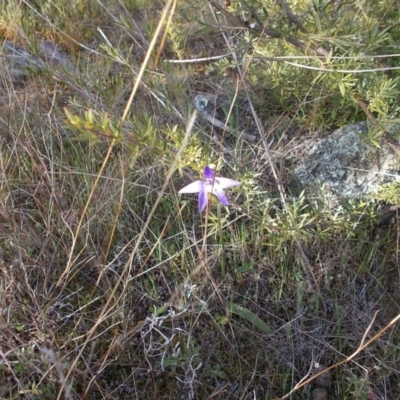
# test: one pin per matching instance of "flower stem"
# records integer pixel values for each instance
(222, 258)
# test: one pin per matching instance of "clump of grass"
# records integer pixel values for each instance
(111, 284)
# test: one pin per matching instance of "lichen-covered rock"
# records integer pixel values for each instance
(346, 164)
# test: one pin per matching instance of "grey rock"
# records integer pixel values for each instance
(346, 164)
(16, 62)
(320, 394)
(211, 108)
(50, 52)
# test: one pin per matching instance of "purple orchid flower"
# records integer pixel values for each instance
(210, 184)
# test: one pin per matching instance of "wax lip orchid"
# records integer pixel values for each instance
(212, 184)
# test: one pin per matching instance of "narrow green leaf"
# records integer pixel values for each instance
(249, 316)
(342, 88)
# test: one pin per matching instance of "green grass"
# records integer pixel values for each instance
(111, 283)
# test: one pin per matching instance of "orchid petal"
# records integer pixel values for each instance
(194, 187)
(208, 173)
(203, 200)
(225, 183)
(210, 185)
(217, 191)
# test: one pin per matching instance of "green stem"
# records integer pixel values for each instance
(221, 238)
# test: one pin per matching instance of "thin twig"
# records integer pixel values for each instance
(264, 30)
(363, 345)
(290, 15)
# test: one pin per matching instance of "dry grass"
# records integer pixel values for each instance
(113, 287)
